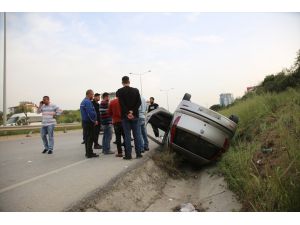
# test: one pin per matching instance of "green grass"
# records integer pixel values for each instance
(69, 116)
(36, 130)
(169, 161)
(266, 181)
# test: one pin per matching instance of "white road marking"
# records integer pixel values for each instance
(40, 176)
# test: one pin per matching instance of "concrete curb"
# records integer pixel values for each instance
(92, 196)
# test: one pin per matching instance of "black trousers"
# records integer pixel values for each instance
(83, 132)
(96, 136)
(119, 133)
(89, 130)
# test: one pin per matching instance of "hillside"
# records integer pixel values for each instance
(262, 165)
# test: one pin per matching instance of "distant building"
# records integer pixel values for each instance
(226, 99)
(24, 106)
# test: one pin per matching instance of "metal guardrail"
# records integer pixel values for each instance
(26, 127)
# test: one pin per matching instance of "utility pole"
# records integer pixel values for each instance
(167, 94)
(140, 74)
(4, 73)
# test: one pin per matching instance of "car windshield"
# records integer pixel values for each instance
(195, 144)
(12, 120)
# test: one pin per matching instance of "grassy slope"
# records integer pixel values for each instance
(266, 181)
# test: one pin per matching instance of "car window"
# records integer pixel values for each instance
(35, 119)
(195, 144)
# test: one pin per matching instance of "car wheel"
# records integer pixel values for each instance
(234, 118)
(187, 97)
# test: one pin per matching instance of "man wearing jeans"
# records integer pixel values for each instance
(130, 101)
(106, 122)
(144, 138)
(49, 112)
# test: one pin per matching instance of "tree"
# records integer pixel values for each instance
(25, 107)
(296, 66)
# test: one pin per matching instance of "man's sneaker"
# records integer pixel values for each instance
(97, 146)
(115, 142)
(109, 153)
(83, 142)
(139, 156)
(50, 152)
(92, 156)
(127, 157)
(146, 149)
(45, 150)
(119, 155)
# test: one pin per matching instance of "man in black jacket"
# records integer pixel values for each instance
(130, 101)
(152, 106)
(97, 127)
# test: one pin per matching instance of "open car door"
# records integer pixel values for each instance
(160, 118)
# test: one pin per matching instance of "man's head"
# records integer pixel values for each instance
(125, 81)
(105, 96)
(46, 100)
(89, 94)
(151, 100)
(97, 97)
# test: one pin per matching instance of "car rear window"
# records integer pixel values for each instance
(195, 144)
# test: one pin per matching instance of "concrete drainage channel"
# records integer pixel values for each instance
(148, 187)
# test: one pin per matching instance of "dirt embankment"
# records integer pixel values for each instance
(150, 188)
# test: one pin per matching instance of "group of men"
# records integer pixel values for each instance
(125, 113)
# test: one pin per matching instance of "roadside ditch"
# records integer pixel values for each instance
(162, 183)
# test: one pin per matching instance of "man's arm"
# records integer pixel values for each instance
(90, 110)
(138, 101)
(58, 111)
(39, 110)
(122, 103)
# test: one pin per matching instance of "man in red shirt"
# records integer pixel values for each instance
(114, 110)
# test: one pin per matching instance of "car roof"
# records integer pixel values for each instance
(23, 114)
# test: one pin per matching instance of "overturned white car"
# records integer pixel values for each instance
(200, 134)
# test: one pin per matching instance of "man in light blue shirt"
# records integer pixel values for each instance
(144, 138)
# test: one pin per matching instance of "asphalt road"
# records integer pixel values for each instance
(32, 181)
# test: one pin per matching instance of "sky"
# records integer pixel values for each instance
(204, 54)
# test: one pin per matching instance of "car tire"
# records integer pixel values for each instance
(187, 97)
(234, 118)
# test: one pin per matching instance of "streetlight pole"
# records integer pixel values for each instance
(167, 94)
(140, 74)
(4, 72)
